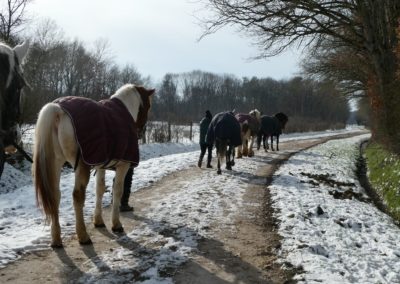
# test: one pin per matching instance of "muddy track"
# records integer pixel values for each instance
(244, 254)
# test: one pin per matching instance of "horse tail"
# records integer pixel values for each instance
(221, 149)
(43, 168)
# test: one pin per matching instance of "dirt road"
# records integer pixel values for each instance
(245, 253)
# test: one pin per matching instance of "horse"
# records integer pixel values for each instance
(12, 81)
(224, 132)
(249, 126)
(88, 135)
(271, 126)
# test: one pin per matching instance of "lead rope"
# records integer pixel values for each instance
(23, 152)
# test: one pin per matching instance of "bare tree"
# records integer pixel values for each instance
(12, 18)
(365, 28)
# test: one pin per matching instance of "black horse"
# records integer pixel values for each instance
(11, 83)
(271, 126)
(224, 131)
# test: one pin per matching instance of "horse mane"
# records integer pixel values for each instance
(124, 94)
(256, 113)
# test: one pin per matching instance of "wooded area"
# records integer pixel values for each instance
(352, 42)
(58, 67)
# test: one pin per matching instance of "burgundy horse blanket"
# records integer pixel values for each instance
(104, 130)
(253, 123)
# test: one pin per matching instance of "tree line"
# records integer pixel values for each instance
(352, 42)
(310, 104)
(57, 67)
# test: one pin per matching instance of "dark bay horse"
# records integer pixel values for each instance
(271, 126)
(224, 132)
(87, 134)
(12, 82)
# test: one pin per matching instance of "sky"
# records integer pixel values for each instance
(331, 240)
(160, 37)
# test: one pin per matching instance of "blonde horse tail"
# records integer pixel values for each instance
(43, 169)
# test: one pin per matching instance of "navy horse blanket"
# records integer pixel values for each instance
(253, 123)
(224, 126)
(104, 130)
(270, 125)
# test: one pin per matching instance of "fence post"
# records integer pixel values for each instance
(169, 131)
(191, 130)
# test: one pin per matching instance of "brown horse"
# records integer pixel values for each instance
(12, 82)
(271, 126)
(61, 136)
(249, 126)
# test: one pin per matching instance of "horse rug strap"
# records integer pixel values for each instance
(104, 130)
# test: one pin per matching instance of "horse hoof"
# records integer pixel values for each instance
(88, 242)
(57, 246)
(118, 230)
(99, 225)
(219, 172)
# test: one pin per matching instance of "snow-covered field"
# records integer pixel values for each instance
(330, 229)
(332, 240)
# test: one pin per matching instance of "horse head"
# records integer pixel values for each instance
(12, 82)
(256, 113)
(283, 119)
(138, 105)
(141, 121)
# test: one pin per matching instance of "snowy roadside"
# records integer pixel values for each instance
(22, 228)
(330, 230)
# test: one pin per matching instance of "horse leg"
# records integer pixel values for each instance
(272, 143)
(251, 152)
(259, 138)
(120, 174)
(218, 149)
(239, 152)
(228, 158)
(100, 189)
(56, 241)
(82, 175)
(244, 147)
(265, 143)
(277, 143)
(232, 155)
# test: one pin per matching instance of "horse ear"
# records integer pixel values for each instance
(21, 50)
(151, 91)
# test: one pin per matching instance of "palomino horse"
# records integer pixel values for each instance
(224, 131)
(249, 125)
(11, 83)
(271, 126)
(100, 135)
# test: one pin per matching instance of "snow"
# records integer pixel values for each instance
(349, 240)
(332, 240)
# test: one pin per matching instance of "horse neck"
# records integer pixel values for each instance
(132, 103)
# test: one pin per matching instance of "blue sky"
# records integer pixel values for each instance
(161, 36)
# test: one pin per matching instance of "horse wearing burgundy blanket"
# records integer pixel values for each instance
(87, 134)
(249, 126)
